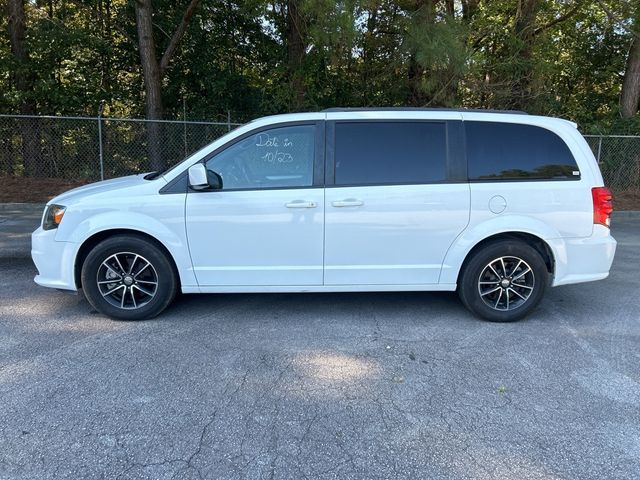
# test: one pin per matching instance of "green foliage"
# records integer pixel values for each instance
(440, 48)
(233, 58)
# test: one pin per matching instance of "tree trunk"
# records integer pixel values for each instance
(415, 75)
(106, 80)
(524, 31)
(152, 81)
(367, 56)
(450, 8)
(24, 80)
(153, 71)
(296, 49)
(425, 10)
(469, 8)
(630, 94)
(7, 153)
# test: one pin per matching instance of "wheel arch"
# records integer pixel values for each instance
(90, 242)
(534, 241)
(543, 236)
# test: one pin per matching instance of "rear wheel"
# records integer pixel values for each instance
(129, 278)
(504, 281)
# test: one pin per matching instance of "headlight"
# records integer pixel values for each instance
(53, 217)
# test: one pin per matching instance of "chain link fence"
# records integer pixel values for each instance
(88, 149)
(84, 149)
(619, 160)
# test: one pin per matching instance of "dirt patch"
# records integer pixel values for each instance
(34, 190)
(627, 200)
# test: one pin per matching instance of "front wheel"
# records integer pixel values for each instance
(129, 278)
(504, 281)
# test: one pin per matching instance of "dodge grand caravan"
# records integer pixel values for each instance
(496, 205)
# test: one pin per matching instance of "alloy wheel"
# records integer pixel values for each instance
(506, 283)
(127, 280)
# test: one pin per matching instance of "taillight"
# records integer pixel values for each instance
(602, 206)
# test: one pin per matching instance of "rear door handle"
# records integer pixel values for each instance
(349, 202)
(300, 204)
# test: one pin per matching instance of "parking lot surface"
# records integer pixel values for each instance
(372, 385)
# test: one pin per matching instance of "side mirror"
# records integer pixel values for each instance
(200, 179)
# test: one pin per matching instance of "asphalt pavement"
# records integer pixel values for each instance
(17, 221)
(370, 385)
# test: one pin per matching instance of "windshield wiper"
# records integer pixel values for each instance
(153, 175)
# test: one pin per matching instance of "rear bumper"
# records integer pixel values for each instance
(580, 260)
(54, 260)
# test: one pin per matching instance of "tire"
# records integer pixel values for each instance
(127, 277)
(504, 281)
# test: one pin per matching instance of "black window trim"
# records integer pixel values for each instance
(455, 161)
(576, 178)
(524, 179)
(177, 185)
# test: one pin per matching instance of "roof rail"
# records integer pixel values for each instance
(420, 109)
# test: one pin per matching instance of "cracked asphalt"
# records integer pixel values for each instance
(375, 386)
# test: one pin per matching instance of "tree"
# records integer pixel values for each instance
(153, 70)
(525, 32)
(469, 8)
(437, 53)
(630, 92)
(23, 78)
(573, 58)
(296, 48)
(423, 14)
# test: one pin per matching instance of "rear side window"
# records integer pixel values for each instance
(506, 151)
(380, 153)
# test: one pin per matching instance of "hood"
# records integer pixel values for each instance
(106, 186)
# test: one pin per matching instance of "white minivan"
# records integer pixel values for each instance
(495, 205)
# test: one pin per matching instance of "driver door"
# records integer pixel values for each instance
(266, 225)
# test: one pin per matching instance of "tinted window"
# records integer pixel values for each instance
(510, 152)
(279, 157)
(390, 152)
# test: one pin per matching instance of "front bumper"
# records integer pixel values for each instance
(53, 259)
(583, 259)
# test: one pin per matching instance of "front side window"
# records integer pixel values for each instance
(275, 158)
(507, 151)
(382, 153)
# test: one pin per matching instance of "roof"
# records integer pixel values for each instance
(421, 109)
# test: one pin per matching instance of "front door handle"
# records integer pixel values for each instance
(349, 202)
(300, 204)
